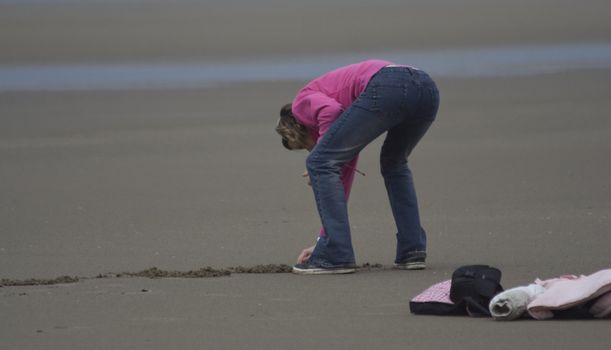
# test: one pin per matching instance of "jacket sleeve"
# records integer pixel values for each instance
(318, 108)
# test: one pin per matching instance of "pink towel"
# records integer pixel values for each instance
(602, 306)
(568, 291)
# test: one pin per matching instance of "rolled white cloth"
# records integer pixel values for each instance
(512, 303)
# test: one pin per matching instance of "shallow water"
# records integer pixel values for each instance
(475, 63)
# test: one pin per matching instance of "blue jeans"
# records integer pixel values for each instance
(403, 102)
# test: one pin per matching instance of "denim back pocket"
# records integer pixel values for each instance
(398, 98)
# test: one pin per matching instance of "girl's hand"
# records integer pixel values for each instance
(305, 174)
(305, 255)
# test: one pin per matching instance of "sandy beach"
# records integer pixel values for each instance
(514, 173)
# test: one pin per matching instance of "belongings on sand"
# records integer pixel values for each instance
(567, 296)
(467, 293)
(475, 290)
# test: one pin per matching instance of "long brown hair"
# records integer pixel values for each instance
(294, 135)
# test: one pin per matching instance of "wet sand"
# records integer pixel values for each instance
(514, 173)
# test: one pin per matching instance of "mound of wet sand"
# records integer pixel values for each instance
(269, 268)
(154, 272)
(6, 282)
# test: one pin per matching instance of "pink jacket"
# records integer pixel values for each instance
(568, 291)
(319, 103)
